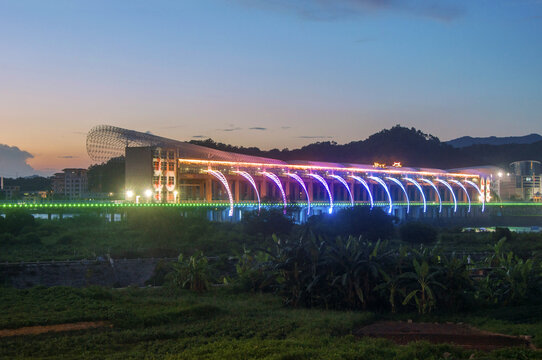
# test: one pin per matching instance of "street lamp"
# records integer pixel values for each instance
(129, 194)
(148, 194)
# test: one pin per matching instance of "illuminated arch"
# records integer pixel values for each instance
(436, 190)
(224, 182)
(418, 186)
(383, 184)
(252, 182)
(276, 180)
(479, 192)
(366, 186)
(451, 190)
(300, 181)
(342, 181)
(404, 191)
(464, 189)
(324, 183)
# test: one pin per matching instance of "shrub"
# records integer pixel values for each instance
(191, 273)
(371, 224)
(502, 232)
(16, 221)
(418, 233)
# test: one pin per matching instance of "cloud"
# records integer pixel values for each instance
(231, 128)
(199, 137)
(314, 137)
(68, 157)
(13, 162)
(258, 128)
(285, 127)
(333, 10)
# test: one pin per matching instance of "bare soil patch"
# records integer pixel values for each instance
(458, 334)
(34, 330)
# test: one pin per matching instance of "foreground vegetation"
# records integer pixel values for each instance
(168, 232)
(266, 288)
(219, 324)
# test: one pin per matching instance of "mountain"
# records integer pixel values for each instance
(411, 147)
(465, 141)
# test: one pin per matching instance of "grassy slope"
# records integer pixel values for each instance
(158, 323)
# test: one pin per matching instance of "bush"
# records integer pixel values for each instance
(372, 224)
(502, 232)
(267, 222)
(191, 273)
(16, 221)
(418, 233)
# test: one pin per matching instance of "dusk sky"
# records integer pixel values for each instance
(266, 73)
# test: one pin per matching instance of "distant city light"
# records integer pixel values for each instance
(148, 193)
(499, 173)
(129, 194)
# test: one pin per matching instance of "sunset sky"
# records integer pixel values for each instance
(266, 73)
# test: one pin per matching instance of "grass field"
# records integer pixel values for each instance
(154, 323)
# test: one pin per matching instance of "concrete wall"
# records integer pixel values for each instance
(118, 273)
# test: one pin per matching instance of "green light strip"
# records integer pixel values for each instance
(239, 205)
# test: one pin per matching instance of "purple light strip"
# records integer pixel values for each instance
(342, 181)
(464, 189)
(364, 183)
(276, 180)
(252, 182)
(451, 190)
(324, 183)
(436, 190)
(383, 184)
(300, 181)
(417, 185)
(224, 182)
(479, 192)
(402, 188)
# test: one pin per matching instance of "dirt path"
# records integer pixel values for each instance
(34, 330)
(458, 334)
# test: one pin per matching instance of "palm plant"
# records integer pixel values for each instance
(455, 273)
(391, 287)
(192, 273)
(424, 280)
(355, 268)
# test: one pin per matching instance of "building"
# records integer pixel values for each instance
(526, 176)
(10, 192)
(70, 184)
(169, 171)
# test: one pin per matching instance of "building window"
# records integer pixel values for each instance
(156, 165)
(164, 166)
(171, 166)
(156, 180)
(171, 180)
(162, 179)
(156, 154)
(171, 155)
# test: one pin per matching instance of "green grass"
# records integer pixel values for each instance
(161, 323)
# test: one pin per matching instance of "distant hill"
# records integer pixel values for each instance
(465, 141)
(411, 147)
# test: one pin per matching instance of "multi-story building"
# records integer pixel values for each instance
(71, 183)
(527, 176)
(10, 192)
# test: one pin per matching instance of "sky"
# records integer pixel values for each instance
(266, 73)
